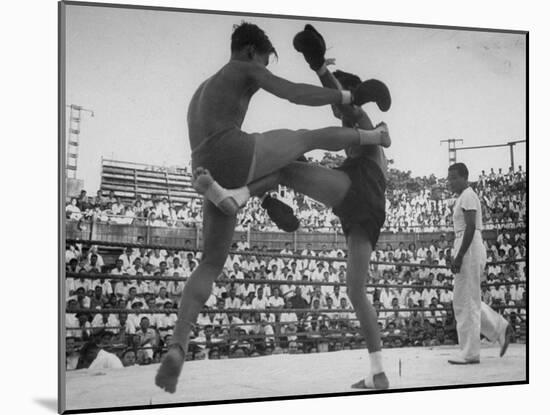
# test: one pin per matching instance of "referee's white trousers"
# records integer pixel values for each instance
(472, 315)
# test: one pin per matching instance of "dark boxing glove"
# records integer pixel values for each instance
(311, 44)
(281, 214)
(372, 91)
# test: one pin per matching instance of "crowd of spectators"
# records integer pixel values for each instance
(250, 318)
(419, 204)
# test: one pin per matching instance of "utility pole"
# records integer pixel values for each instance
(73, 141)
(452, 148)
(510, 144)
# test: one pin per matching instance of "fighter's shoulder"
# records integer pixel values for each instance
(244, 68)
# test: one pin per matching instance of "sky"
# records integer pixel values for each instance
(137, 70)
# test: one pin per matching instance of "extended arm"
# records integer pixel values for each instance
(351, 115)
(297, 93)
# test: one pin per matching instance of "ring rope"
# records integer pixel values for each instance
(319, 315)
(103, 276)
(263, 310)
(229, 341)
(277, 255)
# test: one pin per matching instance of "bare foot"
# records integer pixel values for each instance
(170, 369)
(384, 134)
(378, 381)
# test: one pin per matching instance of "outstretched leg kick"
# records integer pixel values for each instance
(247, 165)
(276, 149)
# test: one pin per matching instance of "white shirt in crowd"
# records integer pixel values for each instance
(232, 302)
(446, 297)
(127, 260)
(164, 321)
(276, 302)
(106, 360)
(260, 303)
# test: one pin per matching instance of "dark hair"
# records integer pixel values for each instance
(125, 352)
(346, 79)
(247, 34)
(460, 168)
(88, 347)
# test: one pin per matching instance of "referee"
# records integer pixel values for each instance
(472, 315)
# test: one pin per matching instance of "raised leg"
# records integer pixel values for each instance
(278, 148)
(325, 185)
(218, 229)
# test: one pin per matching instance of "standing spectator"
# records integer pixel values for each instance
(471, 314)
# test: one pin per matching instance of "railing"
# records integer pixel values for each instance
(175, 223)
(274, 240)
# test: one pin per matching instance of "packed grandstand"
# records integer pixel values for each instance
(278, 295)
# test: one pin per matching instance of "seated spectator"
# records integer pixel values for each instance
(146, 340)
(96, 358)
(73, 252)
(72, 210)
(276, 301)
(446, 296)
(232, 301)
(288, 289)
(166, 322)
(243, 244)
(78, 326)
(98, 300)
(82, 293)
(128, 358)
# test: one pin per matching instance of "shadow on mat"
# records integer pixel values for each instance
(48, 403)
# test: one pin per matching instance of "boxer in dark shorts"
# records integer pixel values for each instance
(228, 155)
(365, 202)
(244, 165)
(361, 209)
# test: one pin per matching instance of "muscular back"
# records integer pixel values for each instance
(221, 101)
